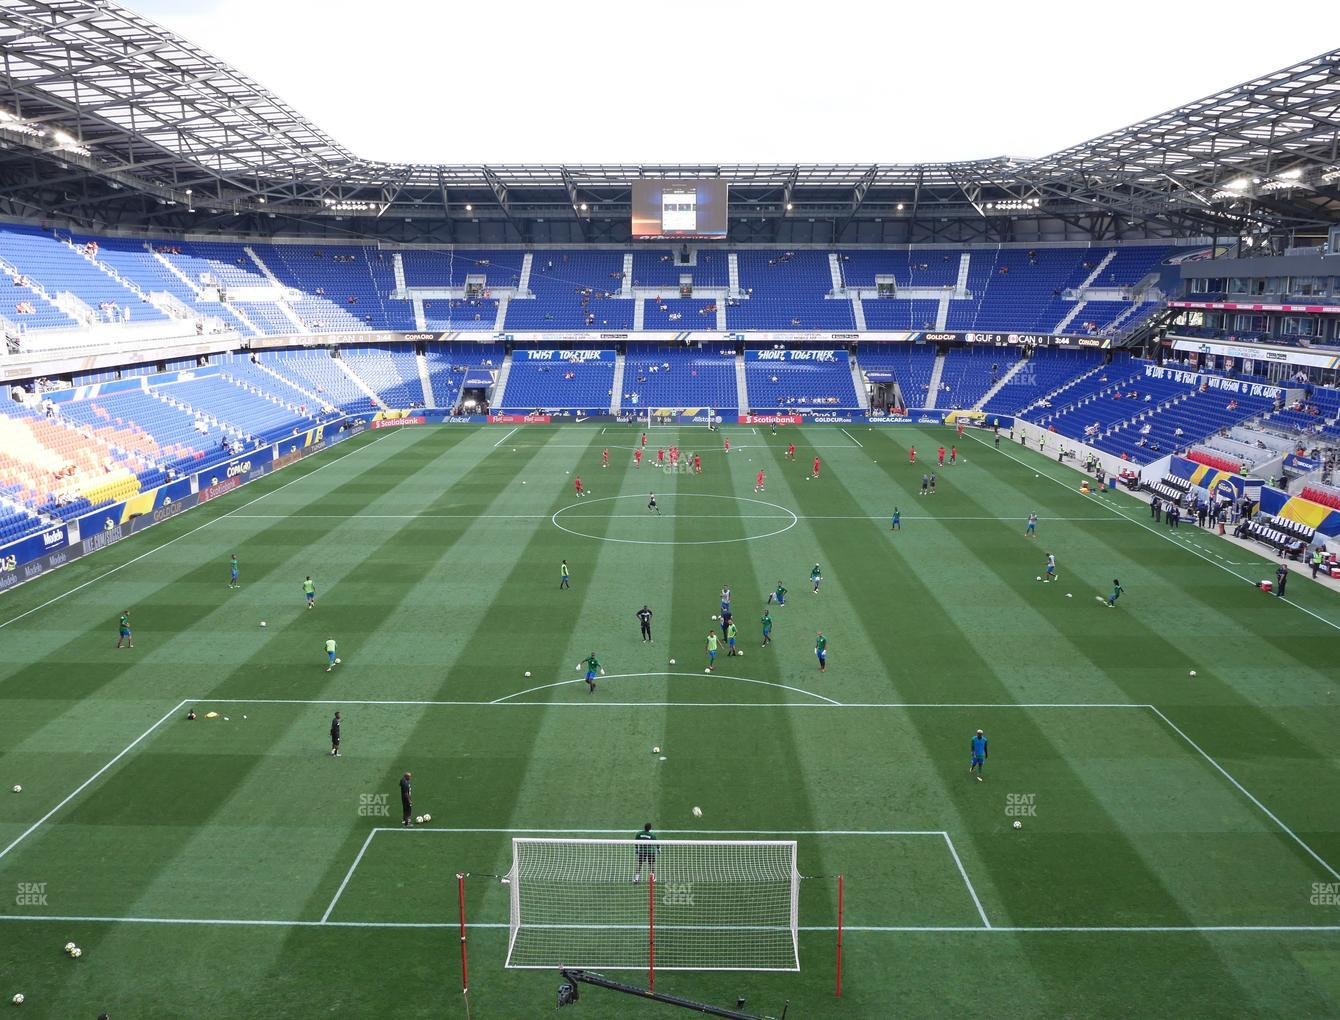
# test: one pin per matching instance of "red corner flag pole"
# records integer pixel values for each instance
(651, 931)
(465, 967)
(839, 939)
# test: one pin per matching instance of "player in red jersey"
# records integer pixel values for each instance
(644, 440)
(953, 454)
(637, 458)
(728, 446)
(816, 467)
(697, 464)
(758, 482)
(942, 456)
(960, 430)
(912, 455)
(660, 456)
(577, 484)
(790, 451)
(606, 457)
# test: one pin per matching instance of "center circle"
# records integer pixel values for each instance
(776, 519)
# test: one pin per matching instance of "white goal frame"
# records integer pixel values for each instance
(625, 857)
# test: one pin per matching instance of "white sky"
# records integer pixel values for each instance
(736, 80)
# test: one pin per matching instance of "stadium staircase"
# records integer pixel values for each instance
(937, 370)
(398, 271)
(835, 272)
(429, 398)
(639, 314)
(1083, 289)
(500, 387)
(285, 309)
(357, 380)
(504, 301)
(1009, 374)
(420, 319)
(741, 383)
(523, 281)
(858, 311)
(616, 387)
(130, 285)
(858, 380)
(733, 276)
(316, 400)
(196, 289)
(626, 289)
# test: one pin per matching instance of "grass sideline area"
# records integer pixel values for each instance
(1179, 844)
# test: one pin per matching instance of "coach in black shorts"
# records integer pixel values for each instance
(644, 618)
(406, 802)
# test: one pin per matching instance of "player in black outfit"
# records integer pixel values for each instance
(335, 736)
(644, 618)
(406, 803)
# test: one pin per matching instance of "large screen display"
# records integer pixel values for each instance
(679, 209)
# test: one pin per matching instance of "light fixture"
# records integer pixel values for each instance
(788, 206)
(469, 207)
(900, 206)
(583, 207)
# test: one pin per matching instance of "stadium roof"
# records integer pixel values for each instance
(107, 118)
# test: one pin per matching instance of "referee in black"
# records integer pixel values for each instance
(644, 618)
(335, 736)
(406, 802)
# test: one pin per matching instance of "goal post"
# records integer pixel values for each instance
(696, 904)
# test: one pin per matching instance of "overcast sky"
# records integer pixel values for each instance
(736, 80)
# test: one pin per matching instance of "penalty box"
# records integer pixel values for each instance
(892, 878)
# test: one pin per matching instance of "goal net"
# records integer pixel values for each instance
(623, 904)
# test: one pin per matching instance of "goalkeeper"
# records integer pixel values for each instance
(646, 852)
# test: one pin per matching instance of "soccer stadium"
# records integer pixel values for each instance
(376, 537)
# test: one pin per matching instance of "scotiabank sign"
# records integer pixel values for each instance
(386, 423)
(219, 488)
(520, 419)
(770, 419)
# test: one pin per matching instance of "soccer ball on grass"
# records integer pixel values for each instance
(338, 661)
(418, 819)
(18, 788)
(1018, 824)
(18, 999)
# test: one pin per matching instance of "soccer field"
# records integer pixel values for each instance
(1180, 843)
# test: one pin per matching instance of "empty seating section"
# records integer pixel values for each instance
(318, 371)
(1046, 370)
(911, 365)
(573, 290)
(786, 290)
(181, 439)
(1144, 418)
(967, 374)
(558, 384)
(448, 365)
(693, 378)
(425, 268)
(333, 288)
(800, 383)
(675, 313)
(657, 268)
(392, 372)
(900, 314)
(1311, 413)
(460, 313)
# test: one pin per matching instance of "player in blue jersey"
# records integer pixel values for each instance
(725, 599)
(978, 747)
(1032, 530)
(896, 523)
(1117, 592)
(1051, 569)
(593, 669)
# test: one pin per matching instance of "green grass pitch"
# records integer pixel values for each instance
(1179, 839)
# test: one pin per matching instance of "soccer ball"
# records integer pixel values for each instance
(655, 750)
(262, 623)
(714, 616)
(697, 811)
(1193, 672)
(527, 672)
(427, 818)
(18, 788)
(70, 947)
(1039, 577)
(418, 819)
(708, 670)
(76, 952)
(1018, 824)
(672, 662)
(740, 654)
(18, 999)
(338, 661)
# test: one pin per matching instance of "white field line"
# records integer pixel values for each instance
(846, 928)
(348, 875)
(852, 438)
(643, 516)
(188, 534)
(1111, 505)
(1243, 790)
(827, 704)
(625, 676)
(84, 785)
(966, 880)
(504, 439)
